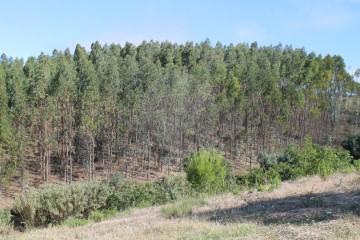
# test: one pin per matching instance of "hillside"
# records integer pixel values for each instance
(307, 208)
(142, 109)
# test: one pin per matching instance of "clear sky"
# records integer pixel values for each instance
(323, 26)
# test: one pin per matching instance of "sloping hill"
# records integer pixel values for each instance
(308, 208)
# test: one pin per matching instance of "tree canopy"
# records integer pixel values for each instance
(156, 103)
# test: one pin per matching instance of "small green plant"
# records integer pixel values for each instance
(182, 208)
(357, 164)
(6, 225)
(100, 215)
(208, 171)
(75, 222)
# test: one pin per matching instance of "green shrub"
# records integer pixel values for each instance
(267, 160)
(357, 164)
(182, 208)
(54, 204)
(260, 179)
(207, 171)
(100, 215)
(176, 186)
(75, 222)
(312, 159)
(6, 224)
(131, 194)
(352, 144)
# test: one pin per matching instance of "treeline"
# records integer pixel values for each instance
(156, 103)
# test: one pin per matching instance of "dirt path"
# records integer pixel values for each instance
(307, 208)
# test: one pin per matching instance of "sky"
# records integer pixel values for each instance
(323, 26)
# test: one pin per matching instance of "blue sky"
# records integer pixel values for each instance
(323, 26)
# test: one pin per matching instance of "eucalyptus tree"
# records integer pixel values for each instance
(39, 73)
(108, 75)
(87, 110)
(18, 107)
(7, 141)
(64, 91)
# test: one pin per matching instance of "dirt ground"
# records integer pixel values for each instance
(308, 208)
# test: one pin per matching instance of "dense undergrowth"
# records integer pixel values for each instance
(207, 172)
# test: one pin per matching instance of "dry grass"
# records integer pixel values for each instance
(308, 208)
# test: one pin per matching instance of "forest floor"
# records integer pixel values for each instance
(307, 208)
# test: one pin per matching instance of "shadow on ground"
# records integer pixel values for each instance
(301, 209)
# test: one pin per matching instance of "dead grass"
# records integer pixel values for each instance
(307, 208)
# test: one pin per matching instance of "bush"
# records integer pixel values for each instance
(260, 179)
(129, 194)
(267, 160)
(296, 162)
(54, 204)
(312, 159)
(176, 187)
(352, 144)
(5, 222)
(98, 216)
(357, 164)
(207, 171)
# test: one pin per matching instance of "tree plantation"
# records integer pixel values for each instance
(144, 109)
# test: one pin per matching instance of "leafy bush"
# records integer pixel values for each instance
(267, 160)
(130, 194)
(357, 164)
(260, 179)
(207, 170)
(98, 216)
(312, 159)
(54, 204)
(5, 222)
(352, 144)
(176, 186)
(296, 162)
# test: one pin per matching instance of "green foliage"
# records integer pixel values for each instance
(100, 215)
(76, 222)
(312, 159)
(131, 194)
(6, 224)
(352, 144)
(182, 208)
(54, 204)
(260, 179)
(297, 162)
(267, 160)
(176, 187)
(208, 171)
(357, 164)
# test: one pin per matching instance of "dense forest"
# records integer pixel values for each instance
(153, 104)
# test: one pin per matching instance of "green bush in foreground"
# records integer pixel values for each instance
(208, 171)
(312, 159)
(260, 179)
(54, 204)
